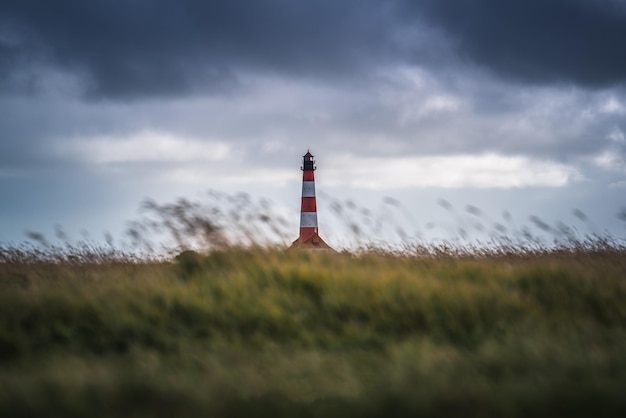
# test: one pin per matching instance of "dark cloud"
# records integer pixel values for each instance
(136, 48)
(538, 41)
(129, 48)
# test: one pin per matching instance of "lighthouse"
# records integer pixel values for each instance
(309, 237)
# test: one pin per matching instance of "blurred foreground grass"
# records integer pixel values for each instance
(262, 332)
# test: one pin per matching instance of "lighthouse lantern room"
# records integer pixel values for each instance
(309, 162)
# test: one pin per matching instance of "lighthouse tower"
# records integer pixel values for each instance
(309, 237)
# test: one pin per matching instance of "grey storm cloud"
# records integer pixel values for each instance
(126, 48)
(139, 48)
(538, 41)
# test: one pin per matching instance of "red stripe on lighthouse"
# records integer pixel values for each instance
(308, 204)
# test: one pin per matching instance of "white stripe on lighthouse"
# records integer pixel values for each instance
(308, 189)
(308, 220)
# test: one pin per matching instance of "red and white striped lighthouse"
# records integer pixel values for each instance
(308, 211)
(309, 237)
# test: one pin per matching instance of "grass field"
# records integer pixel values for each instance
(262, 332)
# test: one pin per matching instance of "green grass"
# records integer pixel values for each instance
(241, 333)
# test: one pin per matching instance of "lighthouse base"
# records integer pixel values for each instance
(314, 242)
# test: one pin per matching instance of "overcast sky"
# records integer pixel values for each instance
(515, 106)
